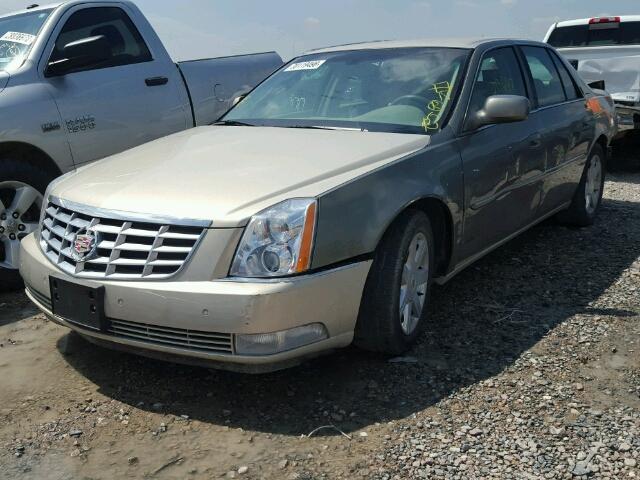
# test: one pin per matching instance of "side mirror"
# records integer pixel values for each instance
(501, 109)
(238, 99)
(82, 53)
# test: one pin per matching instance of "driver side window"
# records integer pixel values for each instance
(125, 42)
(499, 74)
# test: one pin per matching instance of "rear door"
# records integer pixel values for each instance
(129, 100)
(502, 163)
(563, 121)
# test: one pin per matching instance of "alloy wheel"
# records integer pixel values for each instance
(414, 283)
(20, 206)
(593, 185)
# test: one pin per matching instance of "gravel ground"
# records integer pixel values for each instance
(530, 369)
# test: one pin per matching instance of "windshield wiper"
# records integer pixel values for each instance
(318, 127)
(234, 123)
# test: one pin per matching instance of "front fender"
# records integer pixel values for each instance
(30, 117)
(353, 218)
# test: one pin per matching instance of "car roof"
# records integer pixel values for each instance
(51, 6)
(468, 43)
(585, 21)
(34, 9)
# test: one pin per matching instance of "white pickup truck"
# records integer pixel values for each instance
(608, 49)
(84, 79)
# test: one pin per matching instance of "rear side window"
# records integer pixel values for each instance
(499, 74)
(546, 80)
(570, 89)
(125, 41)
(596, 35)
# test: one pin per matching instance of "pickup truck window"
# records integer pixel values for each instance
(17, 34)
(127, 45)
(598, 35)
(546, 79)
(402, 90)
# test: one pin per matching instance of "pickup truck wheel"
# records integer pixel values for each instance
(21, 193)
(394, 303)
(588, 197)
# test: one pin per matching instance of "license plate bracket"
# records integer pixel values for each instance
(78, 304)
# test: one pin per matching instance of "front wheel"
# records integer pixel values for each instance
(396, 295)
(588, 197)
(21, 194)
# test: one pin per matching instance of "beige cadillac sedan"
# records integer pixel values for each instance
(321, 208)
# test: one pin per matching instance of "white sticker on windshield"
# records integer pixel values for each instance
(17, 37)
(311, 65)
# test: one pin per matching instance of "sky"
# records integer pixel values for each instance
(207, 28)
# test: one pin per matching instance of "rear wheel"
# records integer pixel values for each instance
(588, 197)
(22, 186)
(394, 302)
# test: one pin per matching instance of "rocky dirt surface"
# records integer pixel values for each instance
(530, 368)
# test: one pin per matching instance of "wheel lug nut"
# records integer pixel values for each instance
(1, 229)
(12, 236)
(16, 214)
(3, 216)
(22, 228)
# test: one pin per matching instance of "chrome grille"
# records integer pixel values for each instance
(173, 337)
(125, 249)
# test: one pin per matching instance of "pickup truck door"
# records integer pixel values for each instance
(502, 163)
(130, 99)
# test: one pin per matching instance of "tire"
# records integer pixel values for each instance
(586, 201)
(18, 171)
(380, 326)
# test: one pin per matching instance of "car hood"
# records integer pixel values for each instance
(227, 174)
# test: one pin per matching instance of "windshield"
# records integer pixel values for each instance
(17, 34)
(406, 90)
(596, 35)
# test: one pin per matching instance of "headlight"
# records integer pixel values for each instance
(278, 241)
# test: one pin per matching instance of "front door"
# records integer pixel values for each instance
(502, 163)
(128, 100)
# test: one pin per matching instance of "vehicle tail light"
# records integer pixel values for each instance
(599, 20)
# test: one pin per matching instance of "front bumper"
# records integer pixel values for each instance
(158, 317)
(628, 118)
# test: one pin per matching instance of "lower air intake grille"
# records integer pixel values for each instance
(173, 337)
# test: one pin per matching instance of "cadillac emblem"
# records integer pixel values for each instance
(84, 245)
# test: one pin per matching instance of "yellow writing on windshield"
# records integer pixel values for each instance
(431, 121)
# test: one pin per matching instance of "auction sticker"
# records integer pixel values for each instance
(311, 65)
(17, 37)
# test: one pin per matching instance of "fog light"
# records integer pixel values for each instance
(271, 343)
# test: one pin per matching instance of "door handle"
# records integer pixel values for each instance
(156, 81)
